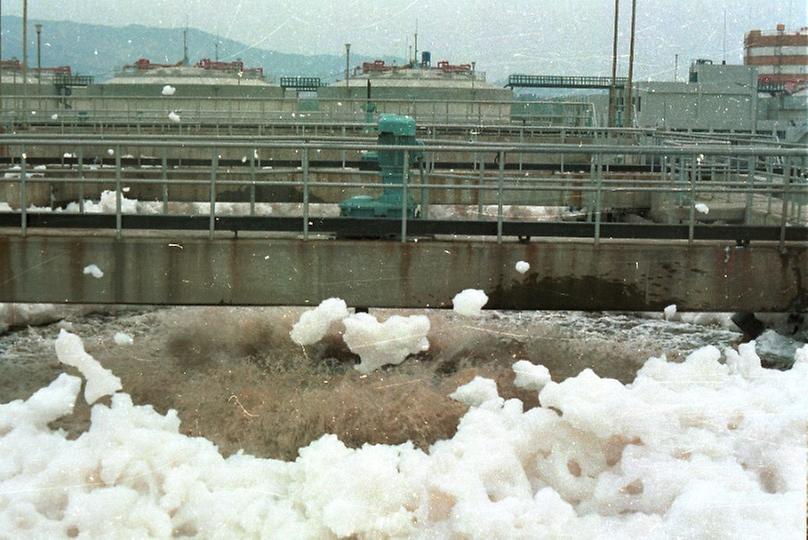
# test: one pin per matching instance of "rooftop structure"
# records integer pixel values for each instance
(206, 71)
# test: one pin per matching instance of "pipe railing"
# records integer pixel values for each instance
(684, 177)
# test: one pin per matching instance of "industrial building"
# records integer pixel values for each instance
(781, 57)
(716, 97)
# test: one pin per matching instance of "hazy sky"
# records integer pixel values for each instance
(535, 36)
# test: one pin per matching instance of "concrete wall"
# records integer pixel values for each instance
(190, 269)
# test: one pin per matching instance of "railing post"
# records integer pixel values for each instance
(404, 179)
(692, 209)
(80, 155)
(500, 182)
(563, 139)
(344, 152)
(118, 192)
(164, 178)
(480, 191)
(214, 165)
(521, 141)
(424, 190)
(750, 183)
(770, 182)
(23, 192)
(252, 180)
(598, 192)
(784, 212)
(305, 164)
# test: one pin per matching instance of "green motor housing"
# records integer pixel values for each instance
(394, 130)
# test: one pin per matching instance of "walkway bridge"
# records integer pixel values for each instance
(587, 250)
(563, 81)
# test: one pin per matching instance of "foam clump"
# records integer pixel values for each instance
(93, 270)
(702, 208)
(100, 381)
(480, 390)
(382, 343)
(530, 376)
(522, 267)
(469, 302)
(669, 312)
(174, 117)
(313, 325)
(168, 90)
(122, 338)
(698, 449)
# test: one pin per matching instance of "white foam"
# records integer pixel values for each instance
(670, 312)
(702, 208)
(100, 382)
(522, 267)
(121, 338)
(469, 302)
(174, 117)
(477, 392)
(93, 270)
(168, 90)
(314, 324)
(697, 449)
(530, 376)
(382, 343)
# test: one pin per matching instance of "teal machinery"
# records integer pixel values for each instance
(394, 130)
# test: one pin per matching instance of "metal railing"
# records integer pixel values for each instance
(77, 109)
(759, 184)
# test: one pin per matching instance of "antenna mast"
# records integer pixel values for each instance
(415, 58)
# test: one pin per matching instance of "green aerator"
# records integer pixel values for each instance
(394, 130)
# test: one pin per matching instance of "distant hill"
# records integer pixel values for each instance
(101, 50)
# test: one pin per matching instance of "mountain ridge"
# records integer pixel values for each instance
(101, 50)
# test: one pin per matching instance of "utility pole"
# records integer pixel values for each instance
(629, 110)
(613, 87)
(39, 63)
(25, 52)
(347, 69)
(1, 58)
(724, 42)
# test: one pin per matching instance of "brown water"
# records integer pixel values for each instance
(236, 378)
